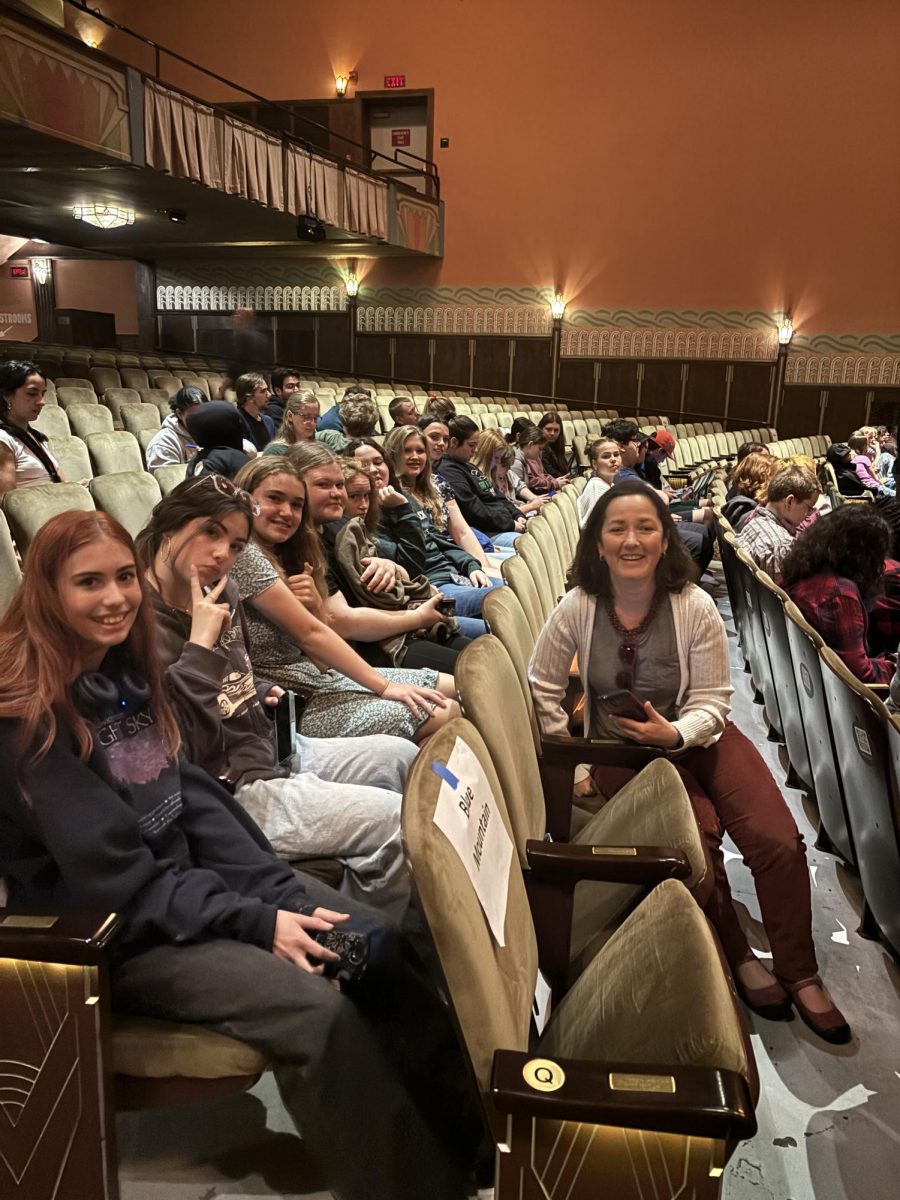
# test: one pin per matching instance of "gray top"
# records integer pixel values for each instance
(657, 674)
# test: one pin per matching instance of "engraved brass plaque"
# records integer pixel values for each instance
(619, 1081)
(24, 922)
(543, 1075)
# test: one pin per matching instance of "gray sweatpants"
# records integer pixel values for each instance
(342, 800)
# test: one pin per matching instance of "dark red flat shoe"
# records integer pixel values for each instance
(830, 1026)
(771, 1002)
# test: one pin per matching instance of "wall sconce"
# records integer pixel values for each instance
(352, 286)
(103, 216)
(785, 330)
(557, 307)
(40, 269)
(341, 82)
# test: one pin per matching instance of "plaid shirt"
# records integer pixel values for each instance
(766, 540)
(834, 607)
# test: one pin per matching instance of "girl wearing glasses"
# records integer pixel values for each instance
(639, 625)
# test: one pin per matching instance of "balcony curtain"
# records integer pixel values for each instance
(312, 186)
(181, 136)
(365, 205)
(254, 164)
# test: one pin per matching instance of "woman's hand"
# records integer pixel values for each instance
(420, 701)
(273, 695)
(304, 588)
(519, 526)
(379, 574)
(208, 619)
(479, 579)
(535, 505)
(429, 613)
(389, 497)
(293, 942)
(655, 731)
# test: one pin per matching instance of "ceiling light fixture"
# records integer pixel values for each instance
(40, 269)
(103, 216)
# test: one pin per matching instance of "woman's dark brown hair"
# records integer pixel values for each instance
(590, 572)
(851, 542)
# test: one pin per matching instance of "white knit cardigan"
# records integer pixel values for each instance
(704, 692)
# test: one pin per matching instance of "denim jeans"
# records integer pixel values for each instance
(505, 539)
(468, 599)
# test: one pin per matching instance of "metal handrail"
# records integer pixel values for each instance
(430, 170)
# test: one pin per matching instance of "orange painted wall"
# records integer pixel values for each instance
(709, 155)
(98, 287)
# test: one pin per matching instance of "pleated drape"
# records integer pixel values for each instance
(182, 136)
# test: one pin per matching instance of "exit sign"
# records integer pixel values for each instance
(394, 81)
(19, 273)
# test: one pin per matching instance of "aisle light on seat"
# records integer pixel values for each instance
(785, 330)
(557, 307)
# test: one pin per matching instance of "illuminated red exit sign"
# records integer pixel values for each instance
(19, 273)
(394, 81)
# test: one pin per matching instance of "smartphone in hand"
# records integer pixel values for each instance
(623, 703)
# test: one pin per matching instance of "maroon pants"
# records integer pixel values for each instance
(732, 789)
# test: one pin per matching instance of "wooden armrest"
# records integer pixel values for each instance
(568, 863)
(79, 938)
(700, 1101)
(570, 751)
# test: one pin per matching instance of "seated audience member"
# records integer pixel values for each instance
(285, 383)
(361, 497)
(862, 463)
(476, 496)
(441, 406)
(556, 462)
(661, 446)
(637, 623)
(454, 572)
(281, 579)
(301, 411)
(840, 456)
(747, 486)
(359, 418)
(174, 443)
(833, 574)
(402, 411)
(517, 470)
(605, 459)
(633, 446)
(494, 458)
(390, 616)
(749, 448)
(533, 445)
(216, 428)
(335, 797)
(22, 389)
(102, 813)
(437, 438)
(768, 533)
(884, 459)
(252, 400)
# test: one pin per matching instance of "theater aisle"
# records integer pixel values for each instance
(829, 1117)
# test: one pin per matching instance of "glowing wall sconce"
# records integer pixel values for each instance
(352, 286)
(40, 269)
(103, 216)
(341, 82)
(785, 330)
(557, 307)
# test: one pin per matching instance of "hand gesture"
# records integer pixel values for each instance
(479, 579)
(208, 619)
(379, 574)
(420, 701)
(293, 942)
(655, 731)
(304, 588)
(389, 497)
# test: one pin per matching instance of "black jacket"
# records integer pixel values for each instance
(481, 505)
(441, 558)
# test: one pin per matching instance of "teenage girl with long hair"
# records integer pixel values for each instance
(554, 456)
(100, 813)
(301, 412)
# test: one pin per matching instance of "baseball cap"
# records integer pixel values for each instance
(663, 440)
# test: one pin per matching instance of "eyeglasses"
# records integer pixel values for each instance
(628, 658)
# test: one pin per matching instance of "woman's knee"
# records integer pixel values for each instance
(446, 685)
(439, 718)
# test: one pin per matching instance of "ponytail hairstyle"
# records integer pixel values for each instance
(39, 660)
(290, 557)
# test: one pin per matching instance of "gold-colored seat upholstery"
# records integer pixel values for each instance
(148, 1049)
(28, 508)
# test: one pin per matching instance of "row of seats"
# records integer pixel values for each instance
(842, 744)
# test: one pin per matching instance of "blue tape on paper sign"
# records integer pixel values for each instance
(446, 774)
